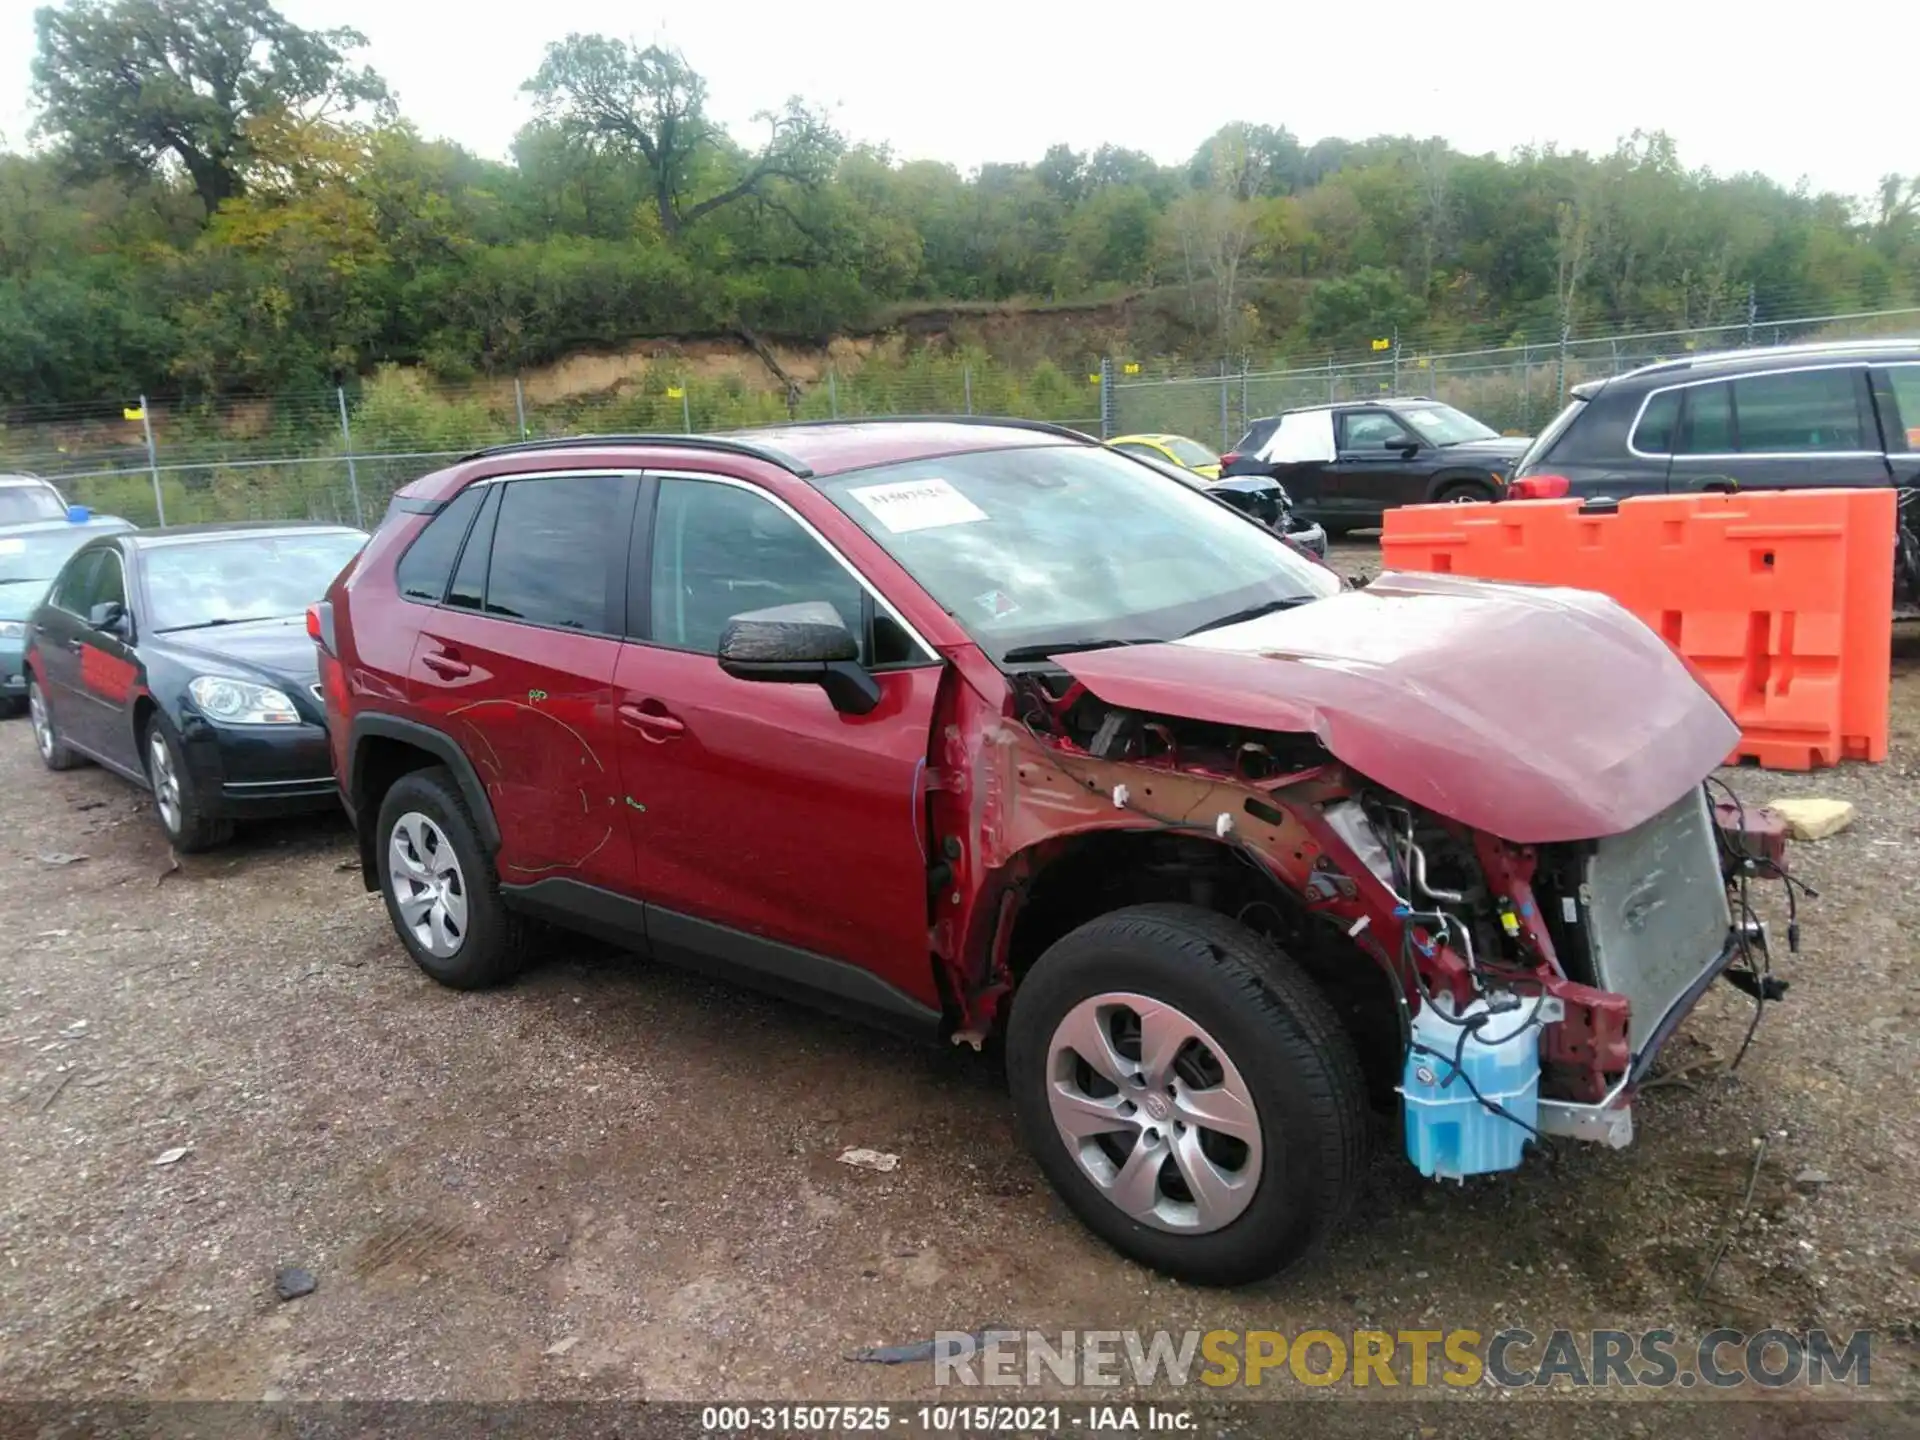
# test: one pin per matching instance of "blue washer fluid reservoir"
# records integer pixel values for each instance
(1450, 1134)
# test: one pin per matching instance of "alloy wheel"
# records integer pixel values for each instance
(42, 721)
(1154, 1113)
(166, 781)
(429, 889)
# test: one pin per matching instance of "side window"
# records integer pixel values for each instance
(109, 582)
(1807, 411)
(1371, 430)
(1904, 380)
(549, 562)
(1146, 450)
(76, 583)
(422, 571)
(720, 551)
(469, 588)
(1706, 421)
(1654, 434)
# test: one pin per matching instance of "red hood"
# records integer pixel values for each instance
(1535, 714)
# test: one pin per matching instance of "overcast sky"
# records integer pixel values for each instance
(974, 80)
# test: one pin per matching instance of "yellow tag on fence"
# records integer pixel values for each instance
(676, 392)
(134, 412)
(1383, 344)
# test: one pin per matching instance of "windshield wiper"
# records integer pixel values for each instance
(224, 620)
(1252, 612)
(1020, 653)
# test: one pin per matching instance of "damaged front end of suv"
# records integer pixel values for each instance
(1479, 816)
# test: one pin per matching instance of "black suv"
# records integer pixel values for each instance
(1799, 415)
(1347, 465)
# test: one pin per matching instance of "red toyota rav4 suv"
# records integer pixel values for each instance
(984, 727)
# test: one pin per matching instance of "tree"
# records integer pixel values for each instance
(126, 84)
(649, 104)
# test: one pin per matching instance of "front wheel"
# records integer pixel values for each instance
(1464, 492)
(177, 799)
(1189, 1093)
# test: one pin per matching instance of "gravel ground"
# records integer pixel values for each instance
(613, 1180)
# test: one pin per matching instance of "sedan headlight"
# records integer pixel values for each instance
(239, 702)
(13, 629)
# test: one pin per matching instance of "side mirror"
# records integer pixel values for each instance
(1406, 449)
(110, 616)
(805, 644)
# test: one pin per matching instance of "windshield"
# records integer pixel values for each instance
(253, 577)
(1444, 425)
(22, 503)
(1190, 452)
(1071, 546)
(37, 558)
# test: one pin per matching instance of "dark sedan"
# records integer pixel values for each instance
(1347, 465)
(180, 660)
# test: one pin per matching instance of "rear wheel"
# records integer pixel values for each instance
(46, 739)
(440, 885)
(1189, 1092)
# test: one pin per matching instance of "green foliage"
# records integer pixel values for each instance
(257, 223)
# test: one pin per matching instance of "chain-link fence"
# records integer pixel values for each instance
(1514, 388)
(339, 454)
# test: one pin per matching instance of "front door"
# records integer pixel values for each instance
(517, 666)
(1376, 455)
(89, 673)
(763, 818)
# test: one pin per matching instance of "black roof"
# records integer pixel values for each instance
(219, 529)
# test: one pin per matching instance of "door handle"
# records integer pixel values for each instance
(654, 726)
(70, 643)
(446, 666)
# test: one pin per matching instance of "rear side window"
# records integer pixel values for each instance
(1706, 421)
(469, 588)
(1803, 412)
(1544, 442)
(1904, 380)
(423, 571)
(1654, 434)
(1258, 433)
(552, 556)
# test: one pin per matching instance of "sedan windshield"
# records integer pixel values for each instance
(251, 577)
(1069, 547)
(1190, 452)
(1444, 425)
(35, 558)
(22, 503)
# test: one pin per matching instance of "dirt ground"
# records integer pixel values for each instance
(612, 1180)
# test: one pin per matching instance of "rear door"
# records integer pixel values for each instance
(1782, 429)
(1897, 394)
(516, 665)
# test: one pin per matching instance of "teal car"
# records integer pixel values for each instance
(31, 554)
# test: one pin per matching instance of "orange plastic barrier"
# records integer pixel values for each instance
(1781, 599)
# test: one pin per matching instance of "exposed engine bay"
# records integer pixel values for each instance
(1543, 976)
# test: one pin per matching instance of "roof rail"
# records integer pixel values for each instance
(721, 444)
(998, 422)
(1808, 347)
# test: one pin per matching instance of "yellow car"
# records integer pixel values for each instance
(1177, 449)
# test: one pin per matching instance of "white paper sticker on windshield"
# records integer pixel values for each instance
(12, 545)
(917, 505)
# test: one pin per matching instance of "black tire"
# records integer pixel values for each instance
(1461, 492)
(1279, 1032)
(493, 946)
(53, 754)
(192, 829)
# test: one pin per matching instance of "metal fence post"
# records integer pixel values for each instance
(1526, 388)
(686, 410)
(520, 406)
(966, 384)
(1106, 398)
(833, 394)
(1396, 359)
(1225, 438)
(1753, 313)
(353, 475)
(1331, 397)
(1245, 420)
(153, 464)
(1560, 381)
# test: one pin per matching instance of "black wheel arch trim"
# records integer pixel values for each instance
(436, 743)
(1480, 479)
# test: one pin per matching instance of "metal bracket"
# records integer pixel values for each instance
(1609, 1125)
